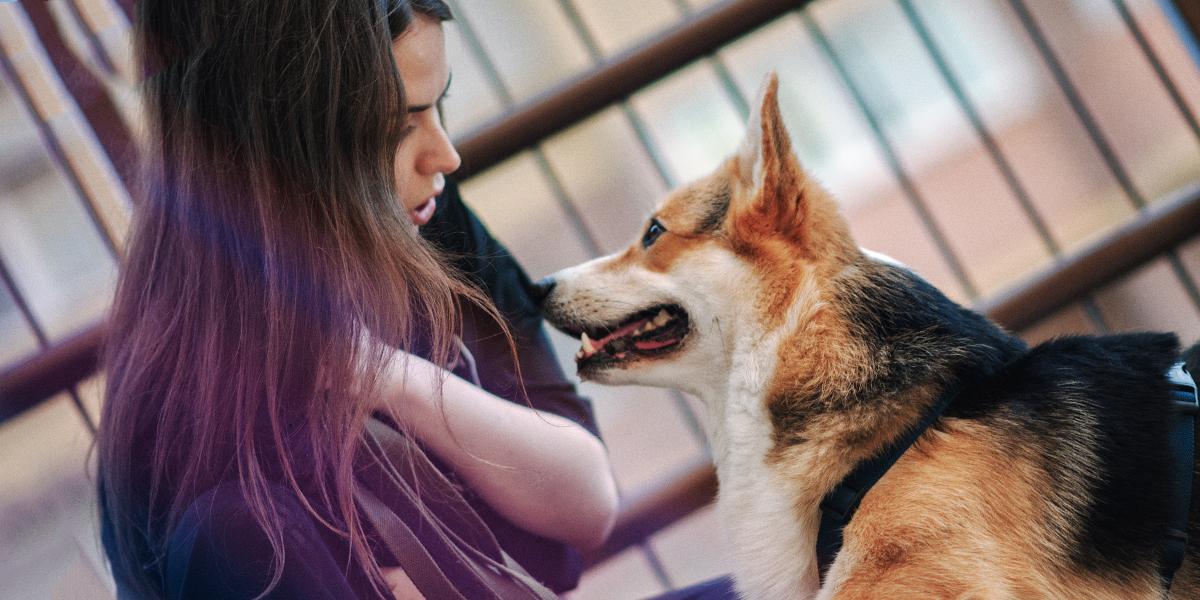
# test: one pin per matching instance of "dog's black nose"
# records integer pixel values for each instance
(540, 291)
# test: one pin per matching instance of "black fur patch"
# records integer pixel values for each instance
(1103, 396)
(914, 334)
(717, 201)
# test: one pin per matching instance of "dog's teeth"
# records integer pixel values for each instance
(649, 326)
(661, 318)
(640, 330)
(588, 349)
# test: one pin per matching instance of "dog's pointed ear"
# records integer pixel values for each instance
(770, 175)
(772, 197)
(750, 152)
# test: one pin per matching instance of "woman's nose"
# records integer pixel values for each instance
(440, 155)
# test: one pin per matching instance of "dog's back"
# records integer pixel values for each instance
(1050, 475)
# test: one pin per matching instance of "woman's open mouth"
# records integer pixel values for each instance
(652, 332)
(424, 211)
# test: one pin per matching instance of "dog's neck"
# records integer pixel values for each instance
(774, 474)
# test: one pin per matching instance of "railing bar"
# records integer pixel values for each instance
(617, 78)
(87, 419)
(689, 417)
(1161, 227)
(581, 29)
(731, 89)
(1092, 310)
(56, 368)
(548, 173)
(1093, 130)
(656, 565)
(635, 120)
(564, 201)
(1189, 284)
(1076, 101)
(889, 154)
(485, 61)
(1187, 26)
(643, 135)
(22, 305)
(740, 103)
(55, 151)
(985, 135)
(1185, 278)
(1159, 69)
(99, 54)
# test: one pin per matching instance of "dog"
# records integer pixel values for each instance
(1048, 475)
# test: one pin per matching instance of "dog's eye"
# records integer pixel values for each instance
(652, 232)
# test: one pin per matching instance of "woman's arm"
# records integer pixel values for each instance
(402, 587)
(543, 472)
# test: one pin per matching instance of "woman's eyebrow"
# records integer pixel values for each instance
(423, 107)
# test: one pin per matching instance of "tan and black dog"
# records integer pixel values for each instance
(1048, 476)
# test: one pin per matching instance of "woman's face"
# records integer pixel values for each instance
(426, 154)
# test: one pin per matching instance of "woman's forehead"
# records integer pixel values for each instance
(421, 56)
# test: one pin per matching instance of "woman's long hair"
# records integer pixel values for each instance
(268, 246)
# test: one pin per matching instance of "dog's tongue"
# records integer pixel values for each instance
(622, 332)
(652, 344)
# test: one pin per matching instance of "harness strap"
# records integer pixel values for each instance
(839, 505)
(1182, 439)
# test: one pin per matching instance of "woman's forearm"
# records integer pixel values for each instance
(543, 472)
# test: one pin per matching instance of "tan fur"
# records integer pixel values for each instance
(981, 537)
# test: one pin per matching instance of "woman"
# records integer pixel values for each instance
(274, 291)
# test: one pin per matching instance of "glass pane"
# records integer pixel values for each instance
(1125, 97)
(520, 210)
(471, 99)
(692, 121)
(530, 42)
(687, 549)
(16, 337)
(619, 24)
(608, 175)
(699, 5)
(49, 242)
(1151, 299)
(969, 200)
(1072, 320)
(47, 497)
(626, 575)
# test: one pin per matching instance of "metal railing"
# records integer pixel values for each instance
(1156, 230)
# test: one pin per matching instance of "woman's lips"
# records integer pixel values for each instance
(424, 211)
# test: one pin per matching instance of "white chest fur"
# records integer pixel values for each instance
(771, 534)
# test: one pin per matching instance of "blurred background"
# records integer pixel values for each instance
(984, 143)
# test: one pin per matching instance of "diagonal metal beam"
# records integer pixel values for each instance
(525, 124)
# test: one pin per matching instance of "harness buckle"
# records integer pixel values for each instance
(1184, 387)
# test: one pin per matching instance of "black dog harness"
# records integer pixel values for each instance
(839, 505)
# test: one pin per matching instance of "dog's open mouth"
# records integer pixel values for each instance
(651, 332)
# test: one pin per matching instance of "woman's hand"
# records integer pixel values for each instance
(543, 472)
